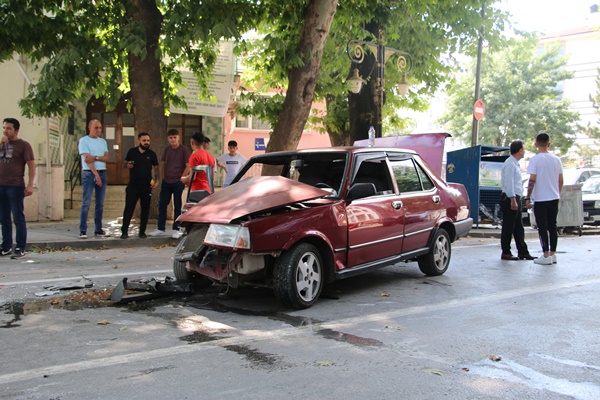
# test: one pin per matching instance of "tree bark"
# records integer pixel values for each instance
(146, 83)
(302, 80)
(363, 106)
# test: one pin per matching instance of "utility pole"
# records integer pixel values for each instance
(475, 130)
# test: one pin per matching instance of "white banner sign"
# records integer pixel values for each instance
(219, 87)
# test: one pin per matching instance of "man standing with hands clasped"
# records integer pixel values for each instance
(510, 205)
(143, 177)
(94, 156)
(545, 185)
(15, 153)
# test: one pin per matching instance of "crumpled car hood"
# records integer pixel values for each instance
(248, 196)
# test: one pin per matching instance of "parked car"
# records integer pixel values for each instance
(590, 193)
(315, 216)
(571, 176)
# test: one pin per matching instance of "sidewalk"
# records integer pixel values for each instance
(61, 234)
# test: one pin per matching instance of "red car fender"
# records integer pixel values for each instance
(298, 236)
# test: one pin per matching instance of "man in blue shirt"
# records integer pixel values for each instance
(93, 150)
(510, 205)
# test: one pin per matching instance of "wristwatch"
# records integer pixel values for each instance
(95, 158)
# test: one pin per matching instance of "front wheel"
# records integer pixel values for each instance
(183, 275)
(436, 261)
(298, 276)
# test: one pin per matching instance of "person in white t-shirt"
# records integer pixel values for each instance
(231, 162)
(545, 185)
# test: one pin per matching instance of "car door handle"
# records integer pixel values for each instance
(435, 198)
(396, 205)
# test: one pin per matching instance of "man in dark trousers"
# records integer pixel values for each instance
(510, 204)
(174, 165)
(15, 154)
(143, 177)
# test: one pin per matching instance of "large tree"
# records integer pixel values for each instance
(432, 32)
(520, 86)
(113, 47)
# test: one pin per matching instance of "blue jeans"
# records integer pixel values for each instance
(166, 191)
(11, 202)
(89, 185)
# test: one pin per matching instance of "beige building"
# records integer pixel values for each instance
(581, 46)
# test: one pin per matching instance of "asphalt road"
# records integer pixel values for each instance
(487, 329)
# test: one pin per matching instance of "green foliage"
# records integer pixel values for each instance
(84, 46)
(520, 88)
(432, 32)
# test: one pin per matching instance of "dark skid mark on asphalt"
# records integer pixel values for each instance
(200, 337)
(147, 372)
(295, 321)
(255, 357)
(349, 338)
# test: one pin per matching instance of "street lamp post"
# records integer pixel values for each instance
(355, 49)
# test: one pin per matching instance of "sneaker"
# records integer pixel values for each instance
(176, 235)
(101, 233)
(5, 252)
(157, 232)
(142, 236)
(82, 235)
(554, 261)
(18, 254)
(541, 260)
(124, 235)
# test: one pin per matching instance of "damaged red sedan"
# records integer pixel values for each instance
(296, 220)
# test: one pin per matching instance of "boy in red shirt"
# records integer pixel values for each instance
(200, 157)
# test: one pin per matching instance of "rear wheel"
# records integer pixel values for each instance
(298, 276)
(437, 260)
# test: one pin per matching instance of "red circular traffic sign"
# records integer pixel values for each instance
(479, 110)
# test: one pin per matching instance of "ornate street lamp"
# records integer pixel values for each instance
(355, 49)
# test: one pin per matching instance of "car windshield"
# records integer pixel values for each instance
(325, 170)
(591, 186)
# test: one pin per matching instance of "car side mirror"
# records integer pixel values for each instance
(361, 190)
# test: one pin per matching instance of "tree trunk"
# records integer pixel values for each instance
(363, 106)
(146, 84)
(302, 80)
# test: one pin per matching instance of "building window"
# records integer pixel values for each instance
(251, 122)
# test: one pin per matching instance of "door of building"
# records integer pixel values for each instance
(118, 130)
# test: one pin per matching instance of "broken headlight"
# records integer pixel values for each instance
(235, 236)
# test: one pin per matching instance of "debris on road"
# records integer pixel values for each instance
(153, 288)
(83, 283)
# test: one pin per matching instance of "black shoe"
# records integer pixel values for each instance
(142, 236)
(101, 233)
(124, 235)
(5, 252)
(526, 257)
(509, 257)
(18, 254)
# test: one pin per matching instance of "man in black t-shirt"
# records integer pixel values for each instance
(143, 177)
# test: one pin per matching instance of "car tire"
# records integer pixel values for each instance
(298, 276)
(184, 276)
(436, 261)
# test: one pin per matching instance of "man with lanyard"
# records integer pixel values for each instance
(15, 153)
(143, 177)
(510, 205)
(94, 156)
